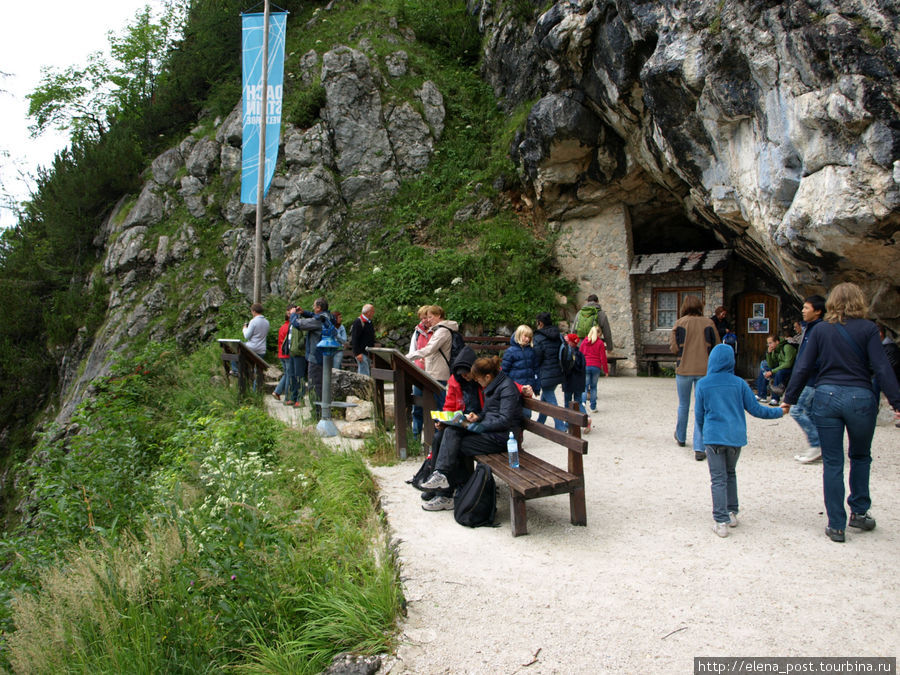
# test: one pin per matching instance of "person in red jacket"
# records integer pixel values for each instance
(594, 350)
(282, 356)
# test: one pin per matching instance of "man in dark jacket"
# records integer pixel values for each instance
(547, 343)
(362, 336)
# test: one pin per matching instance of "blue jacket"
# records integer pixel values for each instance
(518, 363)
(312, 324)
(546, 356)
(720, 399)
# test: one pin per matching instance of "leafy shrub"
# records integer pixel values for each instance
(445, 25)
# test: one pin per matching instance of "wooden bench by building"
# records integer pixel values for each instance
(251, 367)
(653, 355)
(536, 477)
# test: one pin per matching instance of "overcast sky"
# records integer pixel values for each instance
(49, 33)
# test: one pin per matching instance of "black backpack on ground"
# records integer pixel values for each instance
(423, 473)
(457, 344)
(476, 501)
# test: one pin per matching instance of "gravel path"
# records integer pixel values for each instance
(646, 586)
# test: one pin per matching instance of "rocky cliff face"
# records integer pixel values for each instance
(774, 126)
(167, 248)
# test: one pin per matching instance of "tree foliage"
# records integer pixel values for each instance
(84, 99)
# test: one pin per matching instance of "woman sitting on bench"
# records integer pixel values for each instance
(483, 434)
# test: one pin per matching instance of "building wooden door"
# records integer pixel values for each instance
(757, 317)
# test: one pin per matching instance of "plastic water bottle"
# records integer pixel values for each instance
(512, 448)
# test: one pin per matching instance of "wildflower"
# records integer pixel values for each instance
(456, 281)
(233, 577)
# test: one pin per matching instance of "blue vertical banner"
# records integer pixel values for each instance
(252, 73)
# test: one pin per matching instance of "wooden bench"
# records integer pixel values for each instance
(612, 361)
(535, 477)
(487, 344)
(653, 355)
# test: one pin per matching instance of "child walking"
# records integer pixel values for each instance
(720, 399)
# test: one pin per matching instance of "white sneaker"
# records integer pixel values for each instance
(732, 519)
(439, 504)
(720, 529)
(435, 481)
(774, 402)
(811, 456)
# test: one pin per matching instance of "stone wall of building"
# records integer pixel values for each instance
(597, 253)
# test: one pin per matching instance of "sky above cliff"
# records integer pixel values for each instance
(56, 33)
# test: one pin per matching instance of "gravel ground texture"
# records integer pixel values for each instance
(647, 586)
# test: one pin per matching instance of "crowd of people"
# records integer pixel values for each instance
(830, 370)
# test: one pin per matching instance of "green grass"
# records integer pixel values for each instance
(181, 532)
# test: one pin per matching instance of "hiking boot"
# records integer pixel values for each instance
(721, 529)
(862, 521)
(439, 504)
(699, 456)
(732, 519)
(811, 455)
(835, 535)
(276, 395)
(435, 481)
(774, 402)
(680, 443)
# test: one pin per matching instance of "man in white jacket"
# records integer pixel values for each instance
(256, 330)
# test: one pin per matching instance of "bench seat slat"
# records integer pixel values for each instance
(534, 477)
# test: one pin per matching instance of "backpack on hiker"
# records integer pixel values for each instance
(457, 344)
(298, 344)
(475, 504)
(571, 360)
(587, 319)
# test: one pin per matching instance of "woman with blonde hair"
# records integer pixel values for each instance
(519, 359)
(594, 350)
(844, 350)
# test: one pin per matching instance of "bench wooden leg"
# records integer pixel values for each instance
(517, 518)
(577, 508)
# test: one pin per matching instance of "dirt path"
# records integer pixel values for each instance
(646, 586)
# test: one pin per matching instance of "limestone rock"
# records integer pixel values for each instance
(364, 410)
(396, 63)
(166, 166)
(148, 210)
(433, 104)
(774, 126)
(204, 158)
(346, 384)
(362, 429)
(410, 139)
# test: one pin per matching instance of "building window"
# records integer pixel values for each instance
(667, 301)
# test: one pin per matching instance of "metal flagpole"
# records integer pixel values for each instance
(261, 180)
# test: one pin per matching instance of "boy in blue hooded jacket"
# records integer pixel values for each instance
(720, 399)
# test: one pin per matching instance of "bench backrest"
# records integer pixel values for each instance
(576, 420)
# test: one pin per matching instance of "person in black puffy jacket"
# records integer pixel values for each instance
(546, 362)
(485, 433)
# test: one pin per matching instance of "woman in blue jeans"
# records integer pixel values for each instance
(692, 338)
(843, 348)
